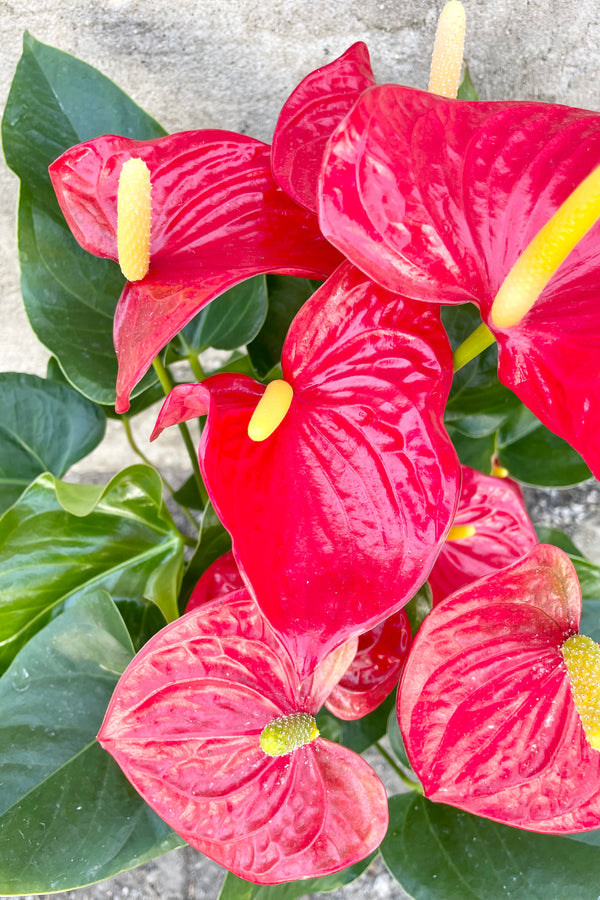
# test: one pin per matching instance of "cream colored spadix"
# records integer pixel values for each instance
(134, 210)
(550, 247)
(458, 532)
(270, 410)
(582, 656)
(447, 57)
(288, 733)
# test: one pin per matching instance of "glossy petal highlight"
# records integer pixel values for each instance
(184, 724)
(336, 519)
(374, 671)
(438, 198)
(309, 117)
(211, 190)
(503, 533)
(486, 706)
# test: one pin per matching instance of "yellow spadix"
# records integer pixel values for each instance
(582, 656)
(550, 247)
(270, 410)
(458, 532)
(447, 57)
(288, 733)
(134, 208)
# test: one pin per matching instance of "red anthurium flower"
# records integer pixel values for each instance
(337, 516)
(309, 117)
(438, 198)
(374, 671)
(220, 579)
(217, 218)
(499, 700)
(496, 531)
(213, 727)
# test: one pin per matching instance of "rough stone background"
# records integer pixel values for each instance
(231, 64)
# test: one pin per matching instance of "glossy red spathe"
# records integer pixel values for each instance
(337, 518)
(184, 725)
(218, 217)
(375, 670)
(309, 117)
(503, 533)
(437, 198)
(485, 703)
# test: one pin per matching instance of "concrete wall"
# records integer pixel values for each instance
(232, 63)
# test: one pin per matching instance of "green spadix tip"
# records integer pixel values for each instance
(288, 733)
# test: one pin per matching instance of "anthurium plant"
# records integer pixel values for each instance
(407, 285)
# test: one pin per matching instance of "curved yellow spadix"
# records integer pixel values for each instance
(134, 209)
(288, 733)
(550, 247)
(447, 57)
(270, 410)
(582, 656)
(458, 532)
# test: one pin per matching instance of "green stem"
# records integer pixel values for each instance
(136, 449)
(167, 385)
(413, 785)
(476, 343)
(192, 358)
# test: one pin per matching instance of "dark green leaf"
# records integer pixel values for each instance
(396, 741)
(44, 427)
(235, 888)
(232, 320)
(534, 455)
(360, 734)
(68, 816)
(286, 296)
(557, 538)
(189, 495)
(417, 608)
(439, 853)
(466, 89)
(59, 540)
(476, 452)
(56, 101)
(213, 542)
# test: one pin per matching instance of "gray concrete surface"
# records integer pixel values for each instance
(232, 63)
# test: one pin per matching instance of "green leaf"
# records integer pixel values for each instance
(558, 538)
(70, 296)
(439, 853)
(286, 296)
(360, 734)
(59, 541)
(235, 888)
(534, 455)
(68, 816)
(213, 542)
(466, 89)
(232, 320)
(396, 742)
(417, 608)
(56, 101)
(476, 452)
(44, 427)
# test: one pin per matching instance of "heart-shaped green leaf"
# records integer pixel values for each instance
(44, 427)
(231, 320)
(56, 101)
(58, 541)
(437, 852)
(68, 816)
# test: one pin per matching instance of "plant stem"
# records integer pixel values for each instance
(476, 343)
(192, 358)
(413, 785)
(136, 449)
(167, 385)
